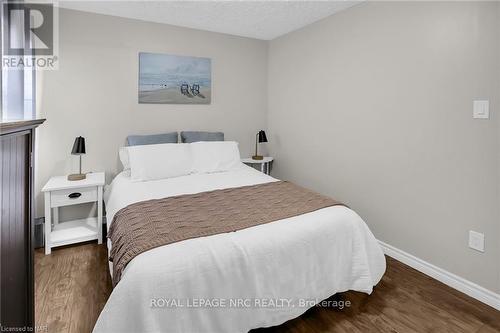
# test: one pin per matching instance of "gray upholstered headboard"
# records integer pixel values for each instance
(194, 136)
(135, 140)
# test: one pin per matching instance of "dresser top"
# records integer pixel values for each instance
(62, 182)
(11, 126)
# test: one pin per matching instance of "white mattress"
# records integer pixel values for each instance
(303, 258)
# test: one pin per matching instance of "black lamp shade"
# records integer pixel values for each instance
(262, 136)
(78, 146)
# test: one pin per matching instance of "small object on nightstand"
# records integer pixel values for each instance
(265, 163)
(259, 138)
(61, 192)
(78, 149)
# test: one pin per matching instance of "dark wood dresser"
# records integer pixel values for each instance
(17, 141)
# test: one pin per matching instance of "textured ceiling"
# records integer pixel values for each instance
(255, 19)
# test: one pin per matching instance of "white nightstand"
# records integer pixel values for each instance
(61, 192)
(265, 163)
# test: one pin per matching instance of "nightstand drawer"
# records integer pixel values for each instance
(73, 196)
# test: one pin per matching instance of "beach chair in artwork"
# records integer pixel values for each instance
(195, 89)
(184, 89)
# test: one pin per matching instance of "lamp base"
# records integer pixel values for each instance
(257, 157)
(77, 176)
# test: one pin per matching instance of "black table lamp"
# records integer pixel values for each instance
(259, 138)
(78, 149)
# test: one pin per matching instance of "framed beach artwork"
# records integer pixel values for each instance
(172, 79)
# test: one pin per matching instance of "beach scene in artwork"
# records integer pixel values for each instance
(172, 79)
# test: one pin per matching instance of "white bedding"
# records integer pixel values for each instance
(233, 282)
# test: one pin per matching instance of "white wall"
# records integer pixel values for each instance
(374, 106)
(94, 92)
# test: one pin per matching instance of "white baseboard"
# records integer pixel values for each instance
(467, 287)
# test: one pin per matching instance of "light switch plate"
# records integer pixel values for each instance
(476, 241)
(481, 109)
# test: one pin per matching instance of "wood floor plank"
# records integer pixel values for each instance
(58, 291)
(43, 269)
(73, 283)
(69, 287)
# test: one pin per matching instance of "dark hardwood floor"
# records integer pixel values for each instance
(72, 285)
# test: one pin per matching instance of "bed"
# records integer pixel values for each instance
(233, 282)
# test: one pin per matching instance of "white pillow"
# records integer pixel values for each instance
(215, 156)
(167, 160)
(123, 153)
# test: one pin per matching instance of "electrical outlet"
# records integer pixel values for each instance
(481, 109)
(476, 241)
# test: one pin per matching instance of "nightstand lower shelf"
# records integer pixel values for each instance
(75, 231)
